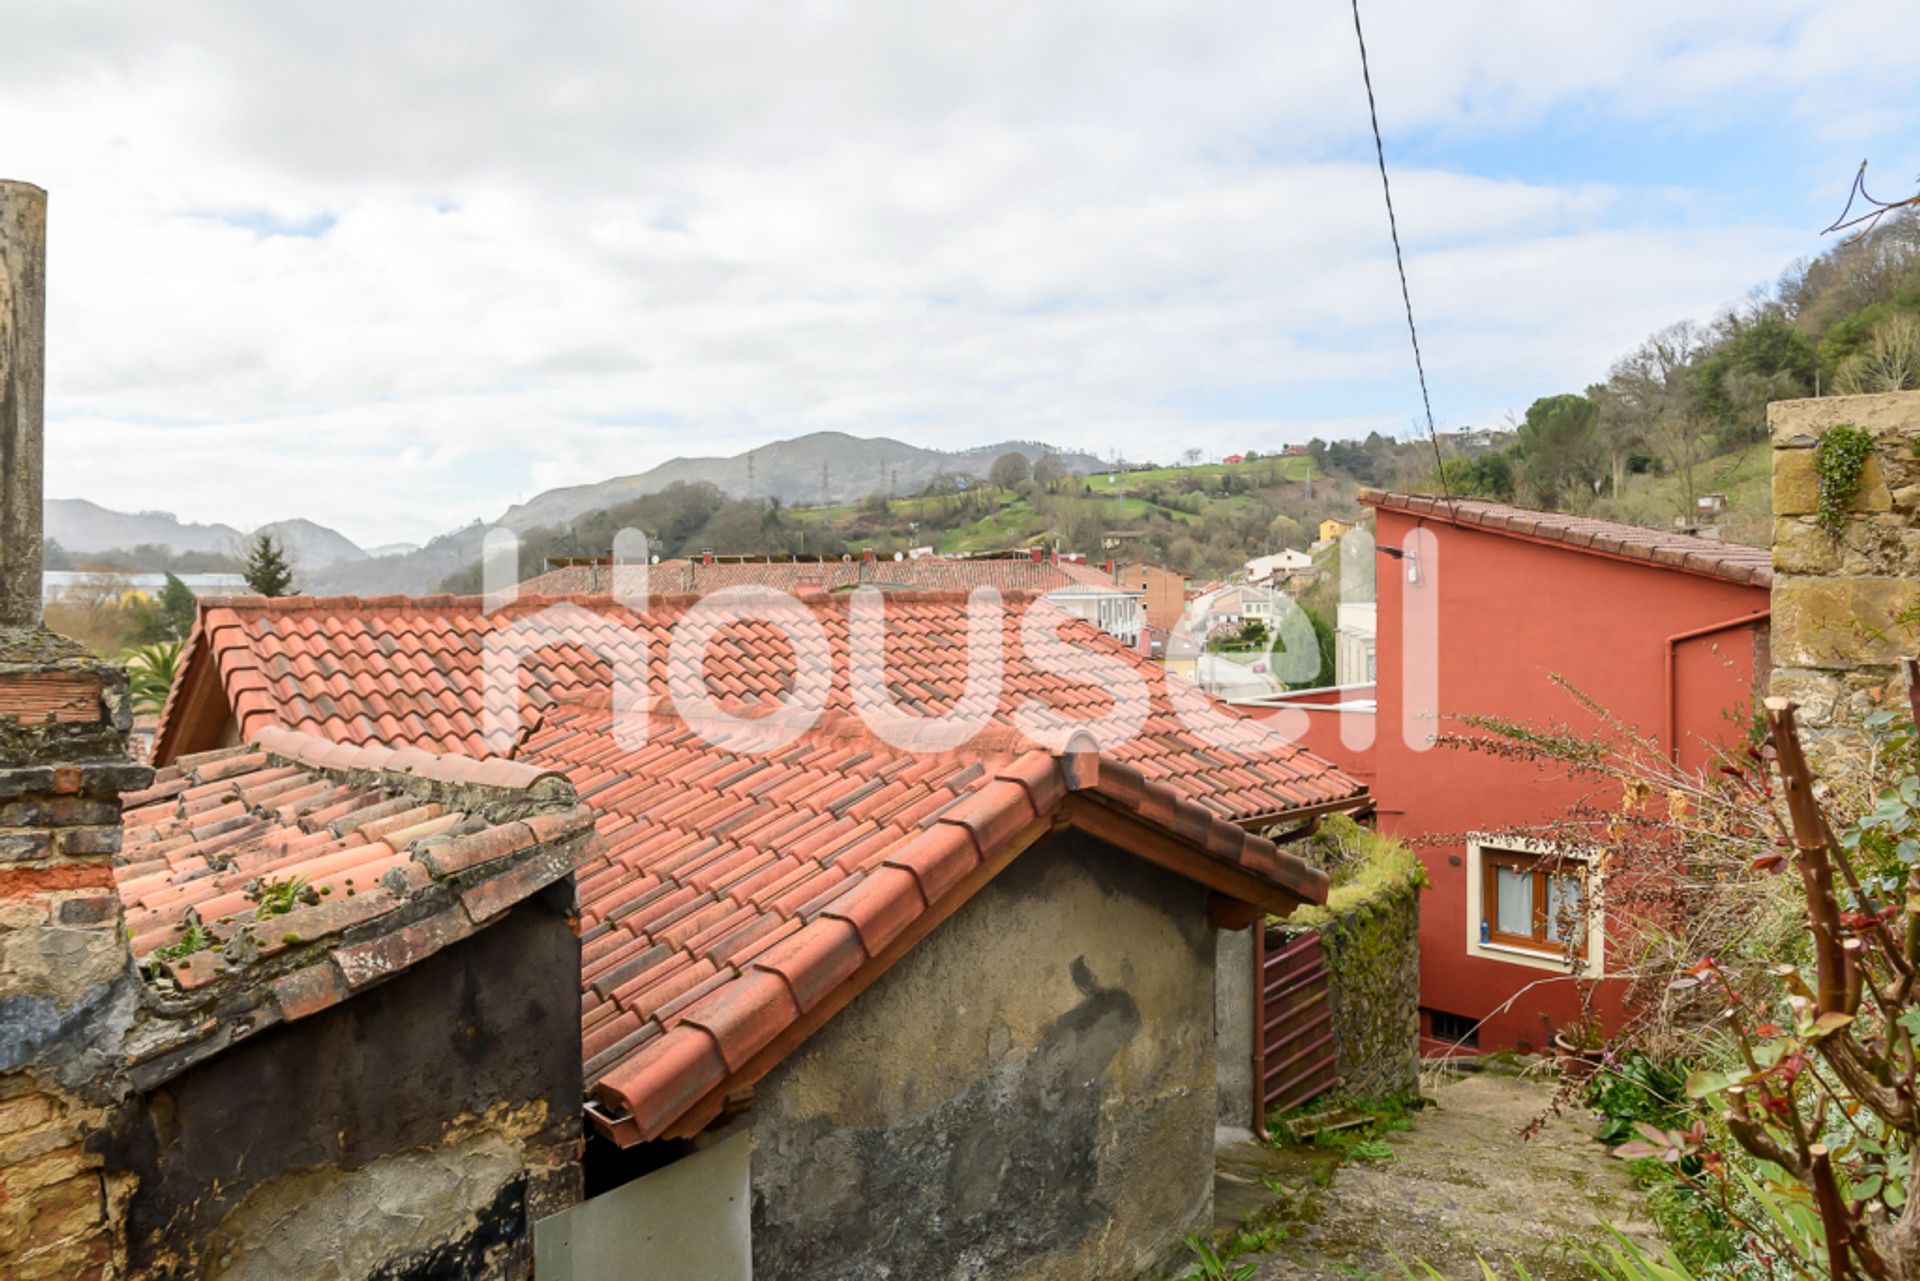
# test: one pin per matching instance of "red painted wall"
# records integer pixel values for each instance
(1512, 614)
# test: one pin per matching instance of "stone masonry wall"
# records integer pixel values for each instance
(1845, 610)
(1370, 934)
(66, 979)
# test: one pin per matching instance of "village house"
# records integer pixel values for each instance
(1277, 567)
(1165, 592)
(1667, 633)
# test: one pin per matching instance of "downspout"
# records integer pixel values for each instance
(1673, 668)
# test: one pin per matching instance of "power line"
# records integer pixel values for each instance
(1399, 260)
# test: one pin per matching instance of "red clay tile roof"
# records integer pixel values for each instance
(1748, 566)
(376, 858)
(732, 893)
(408, 670)
(735, 890)
(929, 573)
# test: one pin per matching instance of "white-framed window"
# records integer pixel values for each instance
(1534, 903)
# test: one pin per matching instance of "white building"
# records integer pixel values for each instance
(1266, 569)
(1353, 643)
(1114, 610)
(75, 584)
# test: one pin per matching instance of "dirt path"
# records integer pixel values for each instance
(1461, 1182)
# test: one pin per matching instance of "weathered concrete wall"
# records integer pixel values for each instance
(1233, 1027)
(1845, 609)
(1370, 933)
(1029, 1093)
(413, 1132)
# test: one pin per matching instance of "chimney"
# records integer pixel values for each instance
(68, 985)
(1039, 555)
(706, 558)
(23, 358)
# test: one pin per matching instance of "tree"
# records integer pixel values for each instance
(1049, 472)
(1010, 470)
(1889, 361)
(1558, 449)
(178, 604)
(267, 572)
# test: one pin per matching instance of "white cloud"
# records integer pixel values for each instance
(559, 245)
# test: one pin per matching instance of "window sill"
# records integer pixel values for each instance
(1554, 961)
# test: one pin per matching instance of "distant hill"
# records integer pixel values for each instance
(797, 472)
(310, 546)
(88, 528)
(81, 526)
(824, 467)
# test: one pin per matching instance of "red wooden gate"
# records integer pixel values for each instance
(1293, 1021)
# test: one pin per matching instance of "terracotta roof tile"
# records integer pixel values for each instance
(1732, 562)
(291, 914)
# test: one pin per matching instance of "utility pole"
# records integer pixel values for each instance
(23, 352)
(749, 475)
(826, 484)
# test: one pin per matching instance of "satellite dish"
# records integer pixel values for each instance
(655, 560)
(899, 555)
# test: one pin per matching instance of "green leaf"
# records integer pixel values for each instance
(1701, 1084)
(1829, 1023)
(1867, 1188)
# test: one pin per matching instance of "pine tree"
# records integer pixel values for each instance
(177, 603)
(268, 573)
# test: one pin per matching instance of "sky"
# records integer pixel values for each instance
(394, 267)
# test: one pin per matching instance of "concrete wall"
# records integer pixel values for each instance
(413, 1132)
(1233, 1027)
(1846, 609)
(1029, 1093)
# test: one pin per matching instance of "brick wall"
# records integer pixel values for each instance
(66, 982)
(1845, 610)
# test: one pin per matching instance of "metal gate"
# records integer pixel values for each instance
(1293, 1021)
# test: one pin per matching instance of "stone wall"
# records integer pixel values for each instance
(1370, 932)
(1845, 610)
(66, 981)
(1029, 1093)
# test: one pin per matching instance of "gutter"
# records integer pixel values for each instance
(1673, 667)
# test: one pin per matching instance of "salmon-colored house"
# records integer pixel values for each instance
(1667, 632)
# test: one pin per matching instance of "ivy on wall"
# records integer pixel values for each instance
(1840, 460)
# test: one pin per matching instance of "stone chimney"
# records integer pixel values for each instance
(67, 986)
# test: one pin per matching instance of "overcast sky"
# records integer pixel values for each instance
(394, 266)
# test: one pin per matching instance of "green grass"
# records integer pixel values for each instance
(1745, 476)
(1255, 473)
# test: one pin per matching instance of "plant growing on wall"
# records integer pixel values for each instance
(1839, 460)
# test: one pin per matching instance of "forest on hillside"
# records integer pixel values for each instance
(1684, 414)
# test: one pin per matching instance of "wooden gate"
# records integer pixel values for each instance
(1293, 1021)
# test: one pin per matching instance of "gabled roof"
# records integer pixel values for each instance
(736, 900)
(739, 895)
(267, 881)
(1730, 562)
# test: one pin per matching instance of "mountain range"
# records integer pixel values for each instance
(829, 467)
